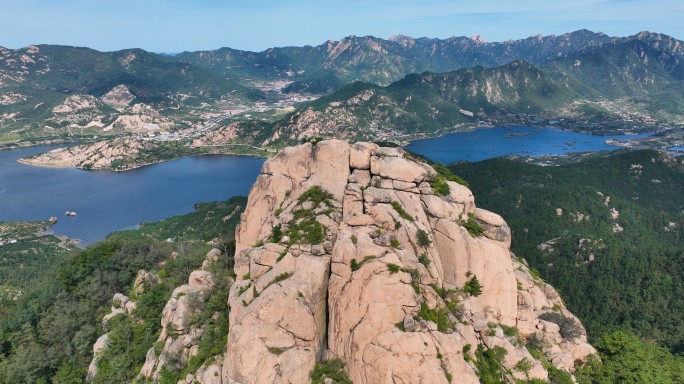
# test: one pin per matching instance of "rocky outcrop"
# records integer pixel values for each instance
(346, 251)
(99, 155)
(121, 305)
(179, 338)
(118, 97)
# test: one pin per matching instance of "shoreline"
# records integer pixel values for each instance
(267, 153)
(514, 125)
(57, 165)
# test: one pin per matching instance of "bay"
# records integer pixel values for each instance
(485, 143)
(107, 201)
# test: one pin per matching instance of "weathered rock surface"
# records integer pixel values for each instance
(360, 269)
(100, 155)
(121, 305)
(99, 345)
(180, 334)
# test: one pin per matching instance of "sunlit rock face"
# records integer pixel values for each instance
(350, 251)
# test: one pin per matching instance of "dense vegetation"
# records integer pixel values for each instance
(26, 253)
(208, 221)
(47, 334)
(622, 274)
(626, 359)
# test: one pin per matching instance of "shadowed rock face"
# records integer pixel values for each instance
(346, 251)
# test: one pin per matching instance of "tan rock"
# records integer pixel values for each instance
(201, 279)
(514, 355)
(261, 261)
(214, 255)
(150, 361)
(360, 177)
(212, 375)
(494, 225)
(290, 313)
(360, 155)
(374, 195)
(437, 207)
(98, 347)
(120, 300)
(404, 186)
(462, 195)
(144, 280)
(398, 168)
(349, 296)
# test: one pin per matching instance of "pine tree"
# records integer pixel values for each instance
(473, 286)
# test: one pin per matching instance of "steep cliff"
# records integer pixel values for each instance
(360, 253)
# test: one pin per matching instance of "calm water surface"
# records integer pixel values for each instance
(485, 143)
(108, 201)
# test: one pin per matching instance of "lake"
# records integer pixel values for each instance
(485, 143)
(108, 201)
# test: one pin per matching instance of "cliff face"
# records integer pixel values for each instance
(347, 251)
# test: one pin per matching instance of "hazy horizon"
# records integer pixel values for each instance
(174, 26)
(173, 53)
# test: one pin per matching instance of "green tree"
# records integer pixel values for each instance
(627, 359)
(473, 286)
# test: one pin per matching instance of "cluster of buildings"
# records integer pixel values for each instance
(7, 241)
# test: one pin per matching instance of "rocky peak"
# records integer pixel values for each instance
(362, 253)
(478, 39)
(406, 41)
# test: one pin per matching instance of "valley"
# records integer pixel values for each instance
(359, 88)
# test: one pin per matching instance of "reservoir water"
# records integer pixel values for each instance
(108, 201)
(485, 143)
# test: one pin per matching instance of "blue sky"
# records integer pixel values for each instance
(180, 25)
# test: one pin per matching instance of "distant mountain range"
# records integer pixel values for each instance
(595, 83)
(328, 66)
(373, 86)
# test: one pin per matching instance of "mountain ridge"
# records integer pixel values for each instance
(381, 89)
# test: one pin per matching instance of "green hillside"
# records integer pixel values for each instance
(619, 271)
(47, 333)
(427, 103)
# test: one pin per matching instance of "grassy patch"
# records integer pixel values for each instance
(276, 350)
(446, 173)
(473, 286)
(356, 265)
(393, 268)
(439, 316)
(473, 227)
(330, 369)
(424, 259)
(316, 195)
(401, 211)
(305, 228)
(423, 238)
(440, 187)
